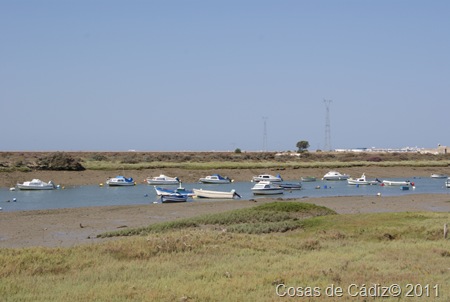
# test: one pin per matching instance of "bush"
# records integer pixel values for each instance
(59, 161)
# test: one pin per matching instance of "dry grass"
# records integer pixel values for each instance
(210, 264)
(27, 161)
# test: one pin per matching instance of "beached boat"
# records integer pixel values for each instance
(334, 175)
(396, 183)
(308, 179)
(119, 181)
(215, 179)
(166, 191)
(266, 188)
(362, 181)
(36, 184)
(173, 197)
(162, 180)
(436, 175)
(200, 193)
(267, 177)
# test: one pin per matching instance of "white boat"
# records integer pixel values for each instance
(36, 184)
(436, 175)
(162, 180)
(120, 181)
(447, 182)
(396, 183)
(166, 191)
(267, 177)
(174, 197)
(334, 175)
(215, 179)
(266, 188)
(362, 181)
(215, 194)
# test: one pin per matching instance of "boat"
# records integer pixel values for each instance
(396, 183)
(200, 193)
(362, 181)
(266, 188)
(162, 180)
(36, 184)
(267, 177)
(334, 175)
(215, 179)
(447, 182)
(166, 191)
(308, 179)
(174, 197)
(436, 175)
(290, 186)
(119, 181)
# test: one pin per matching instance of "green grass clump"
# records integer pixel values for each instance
(266, 218)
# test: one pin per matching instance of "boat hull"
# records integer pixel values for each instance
(214, 181)
(395, 183)
(272, 191)
(162, 182)
(27, 187)
(215, 194)
(172, 198)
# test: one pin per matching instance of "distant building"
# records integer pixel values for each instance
(439, 150)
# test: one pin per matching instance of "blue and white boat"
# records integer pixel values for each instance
(215, 179)
(160, 191)
(267, 177)
(120, 181)
(174, 197)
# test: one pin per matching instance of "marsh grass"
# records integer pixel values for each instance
(267, 218)
(210, 264)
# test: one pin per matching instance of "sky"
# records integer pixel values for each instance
(167, 75)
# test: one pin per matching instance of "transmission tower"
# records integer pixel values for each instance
(265, 134)
(327, 146)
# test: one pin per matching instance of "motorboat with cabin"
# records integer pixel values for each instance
(120, 181)
(267, 177)
(267, 188)
(162, 180)
(362, 181)
(215, 179)
(36, 184)
(334, 175)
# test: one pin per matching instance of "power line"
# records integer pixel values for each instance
(327, 146)
(265, 133)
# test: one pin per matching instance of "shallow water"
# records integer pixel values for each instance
(86, 196)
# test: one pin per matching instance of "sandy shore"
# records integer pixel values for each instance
(69, 227)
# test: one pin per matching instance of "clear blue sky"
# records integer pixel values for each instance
(201, 75)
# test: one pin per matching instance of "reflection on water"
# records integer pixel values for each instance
(87, 196)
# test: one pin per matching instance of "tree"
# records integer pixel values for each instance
(302, 146)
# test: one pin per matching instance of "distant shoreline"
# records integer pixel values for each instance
(94, 177)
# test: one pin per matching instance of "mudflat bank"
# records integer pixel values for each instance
(92, 177)
(69, 227)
